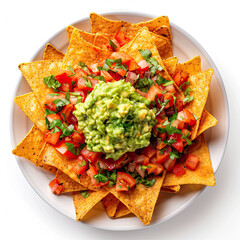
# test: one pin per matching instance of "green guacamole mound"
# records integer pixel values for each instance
(115, 119)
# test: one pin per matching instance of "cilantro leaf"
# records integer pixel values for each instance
(84, 193)
(52, 82)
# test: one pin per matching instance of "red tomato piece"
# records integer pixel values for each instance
(52, 97)
(80, 166)
(179, 105)
(148, 151)
(52, 117)
(192, 162)
(120, 71)
(91, 156)
(153, 92)
(132, 65)
(123, 56)
(62, 148)
(55, 186)
(51, 137)
(93, 68)
(178, 145)
(91, 172)
(121, 38)
(162, 157)
(180, 77)
(84, 85)
(107, 76)
(66, 111)
(64, 77)
(169, 163)
(143, 65)
(155, 168)
(187, 117)
(179, 170)
(124, 181)
(168, 96)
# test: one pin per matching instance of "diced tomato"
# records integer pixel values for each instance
(148, 151)
(169, 163)
(55, 186)
(170, 89)
(91, 172)
(179, 170)
(84, 85)
(65, 87)
(132, 65)
(162, 157)
(51, 137)
(107, 76)
(180, 77)
(192, 162)
(121, 38)
(91, 156)
(53, 96)
(179, 105)
(66, 111)
(79, 72)
(93, 68)
(64, 77)
(168, 96)
(153, 92)
(155, 168)
(124, 181)
(185, 132)
(120, 71)
(62, 148)
(72, 119)
(80, 166)
(178, 145)
(123, 56)
(52, 117)
(51, 106)
(116, 47)
(187, 117)
(143, 65)
(77, 137)
(178, 124)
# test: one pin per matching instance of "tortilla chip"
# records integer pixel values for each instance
(34, 73)
(69, 185)
(200, 84)
(141, 200)
(52, 157)
(95, 39)
(121, 211)
(207, 121)
(110, 203)
(191, 66)
(171, 64)
(51, 53)
(81, 51)
(164, 31)
(170, 189)
(29, 104)
(84, 205)
(202, 175)
(109, 27)
(30, 147)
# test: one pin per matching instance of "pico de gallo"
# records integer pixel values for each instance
(170, 133)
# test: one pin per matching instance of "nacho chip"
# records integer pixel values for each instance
(163, 31)
(34, 73)
(52, 157)
(121, 211)
(207, 121)
(191, 66)
(95, 39)
(200, 84)
(141, 200)
(84, 205)
(170, 189)
(109, 27)
(69, 185)
(31, 146)
(51, 53)
(29, 104)
(170, 65)
(110, 204)
(81, 51)
(202, 175)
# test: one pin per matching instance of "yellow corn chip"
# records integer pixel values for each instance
(163, 31)
(202, 175)
(31, 146)
(51, 53)
(191, 66)
(84, 205)
(200, 84)
(207, 121)
(52, 157)
(121, 211)
(81, 51)
(69, 185)
(170, 65)
(141, 200)
(100, 24)
(110, 203)
(170, 189)
(29, 104)
(34, 73)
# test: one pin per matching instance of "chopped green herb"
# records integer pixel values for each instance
(71, 70)
(60, 103)
(188, 98)
(84, 193)
(52, 82)
(113, 45)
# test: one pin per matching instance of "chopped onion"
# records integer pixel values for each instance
(131, 77)
(147, 74)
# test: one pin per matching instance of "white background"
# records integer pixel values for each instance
(26, 25)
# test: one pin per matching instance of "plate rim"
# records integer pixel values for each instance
(220, 80)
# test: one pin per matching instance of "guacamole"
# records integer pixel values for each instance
(115, 119)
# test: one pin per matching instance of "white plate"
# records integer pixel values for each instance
(184, 47)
